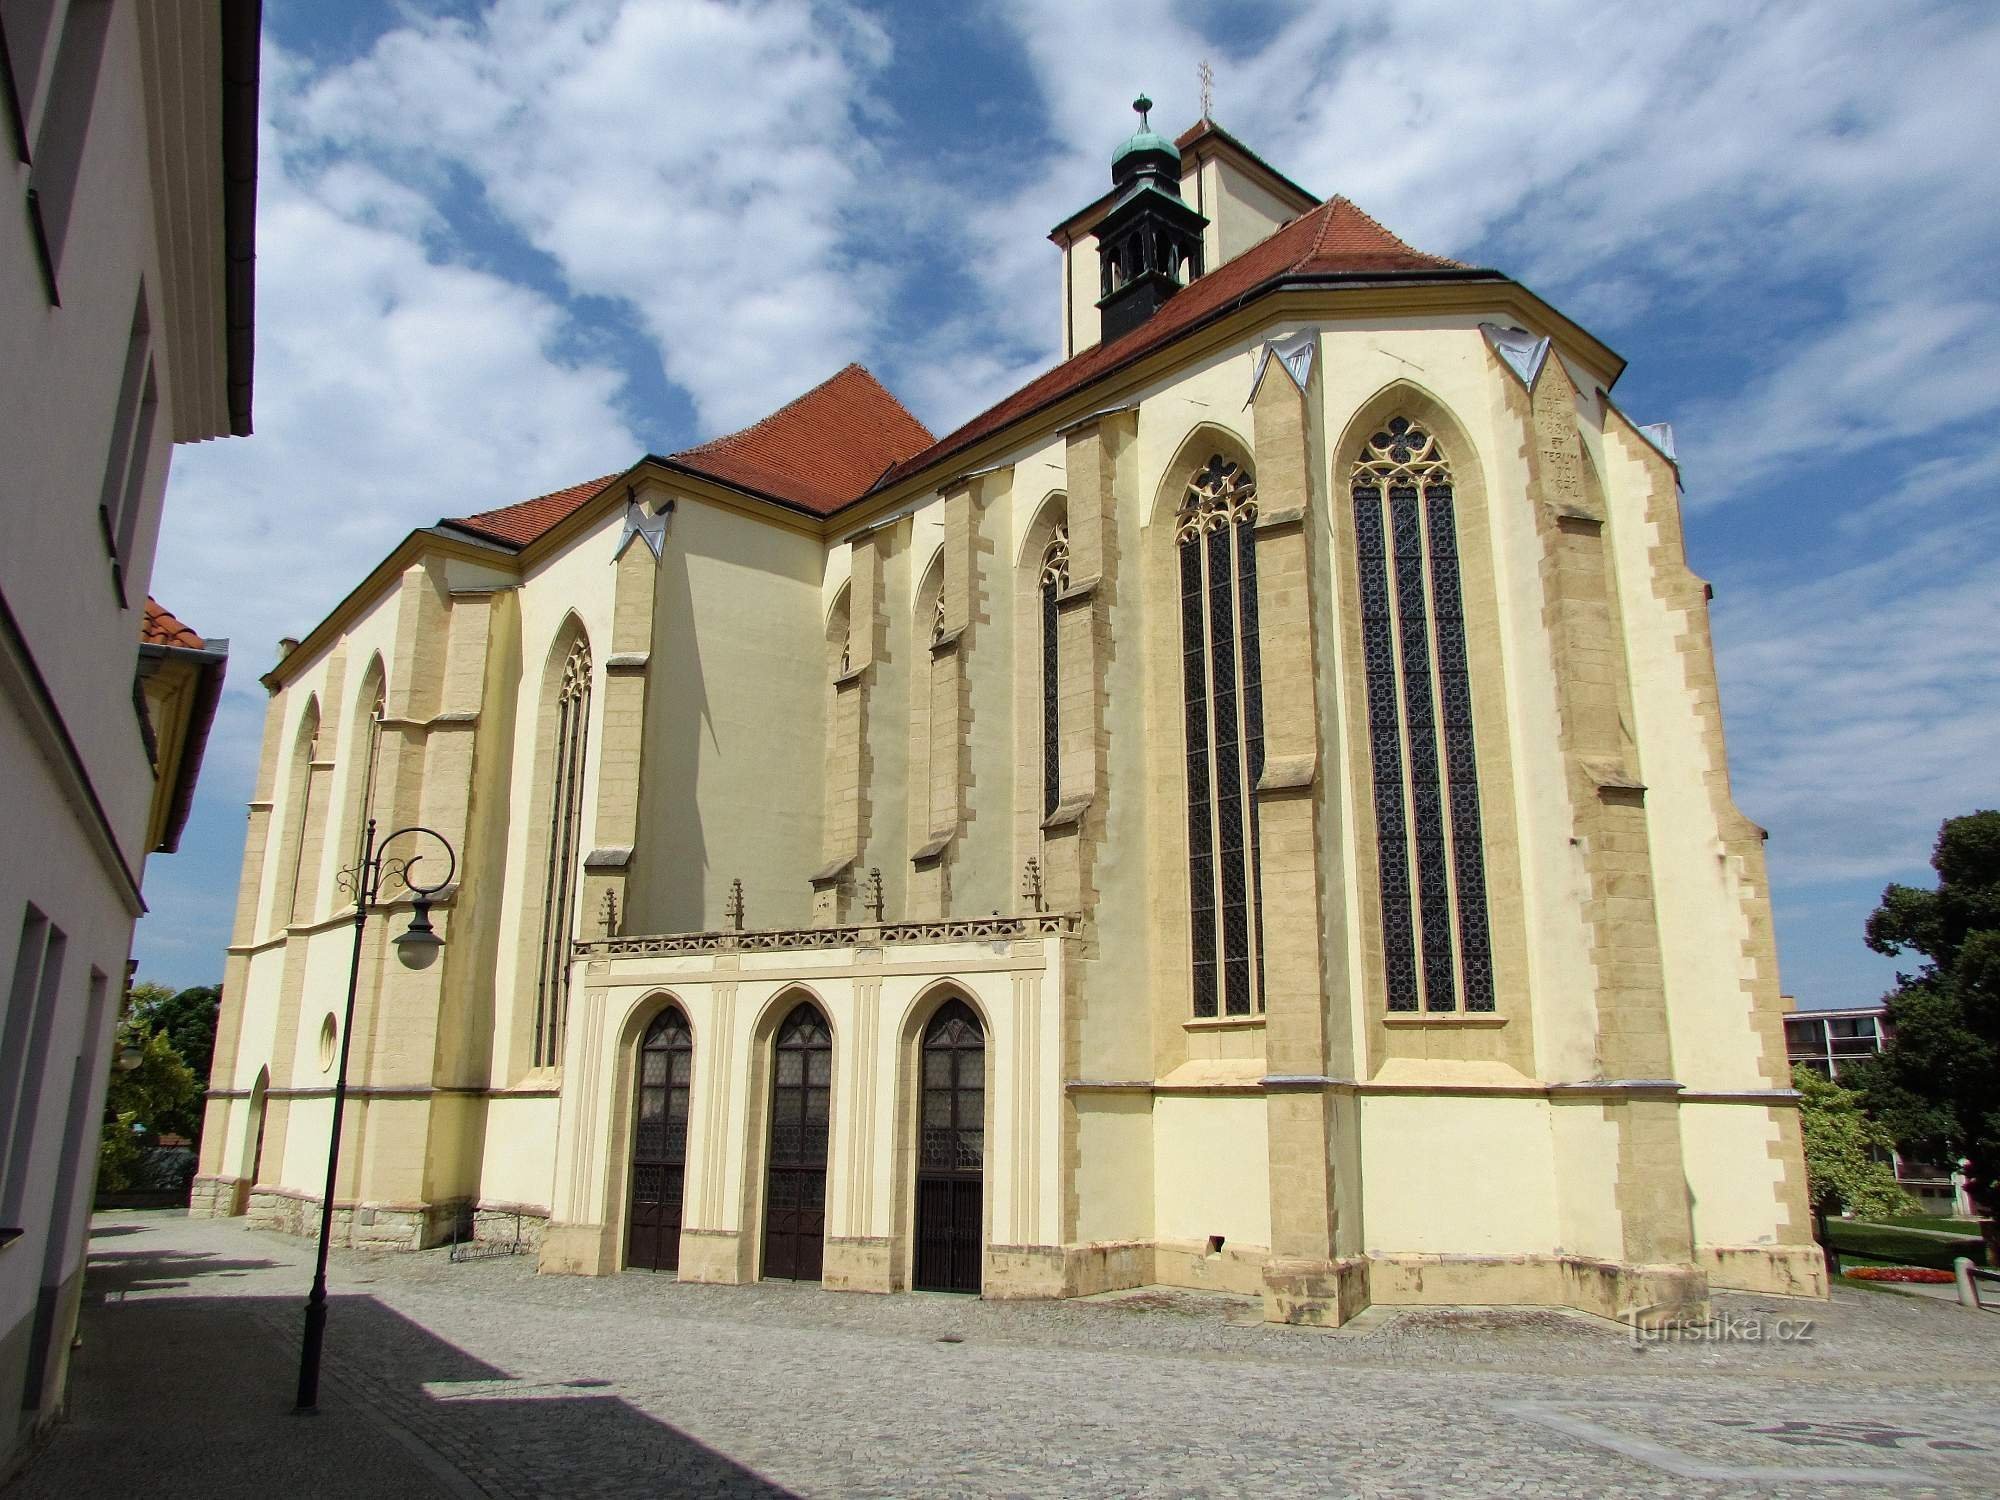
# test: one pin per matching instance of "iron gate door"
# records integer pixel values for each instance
(659, 1144)
(951, 1153)
(795, 1180)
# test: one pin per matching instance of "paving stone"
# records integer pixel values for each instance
(484, 1378)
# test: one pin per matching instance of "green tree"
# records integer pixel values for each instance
(1845, 1171)
(186, 1016)
(141, 1102)
(1936, 1086)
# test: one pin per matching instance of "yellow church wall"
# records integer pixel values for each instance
(887, 730)
(1241, 212)
(1114, 1170)
(517, 1155)
(1732, 1179)
(1457, 1176)
(1702, 925)
(735, 733)
(1208, 1173)
(1584, 1138)
(576, 581)
(1082, 279)
(985, 867)
(1142, 869)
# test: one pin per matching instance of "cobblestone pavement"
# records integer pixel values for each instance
(486, 1379)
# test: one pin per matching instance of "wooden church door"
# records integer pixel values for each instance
(659, 1144)
(795, 1179)
(951, 1153)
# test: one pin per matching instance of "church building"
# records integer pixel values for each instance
(1248, 811)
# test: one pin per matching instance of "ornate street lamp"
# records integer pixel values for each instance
(418, 949)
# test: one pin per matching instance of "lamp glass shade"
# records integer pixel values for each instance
(129, 1058)
(418, 947)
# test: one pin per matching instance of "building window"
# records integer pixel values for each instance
(572, 715)
(33, 1004)
(1434, 936)
(293, 903)
(123, 492)
(1054, 579)
(371, 760)
(1224, 717)
(63, 129)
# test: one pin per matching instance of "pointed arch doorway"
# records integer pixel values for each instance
(951, 1153)
(795, 1175)
(659, 1144)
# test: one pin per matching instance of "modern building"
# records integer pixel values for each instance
(1828, 1040)
(1247, 811)
(125, 328)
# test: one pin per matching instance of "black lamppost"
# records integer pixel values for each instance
(418, 949)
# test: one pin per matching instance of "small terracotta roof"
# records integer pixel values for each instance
(820, 452)
(1334, 239)
(159, 628)
(520, 523)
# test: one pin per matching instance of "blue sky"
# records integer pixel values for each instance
(506, 247)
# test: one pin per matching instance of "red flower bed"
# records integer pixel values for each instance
(1901, 1273)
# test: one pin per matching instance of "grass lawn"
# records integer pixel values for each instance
(1931, 1221)
(1886, 1244)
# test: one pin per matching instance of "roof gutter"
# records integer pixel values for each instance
(211, 664)
(675, 466)
(242, 26)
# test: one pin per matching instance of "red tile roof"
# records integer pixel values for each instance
(1334, 239)
(520, 523)
(159, 628)
(820, 452)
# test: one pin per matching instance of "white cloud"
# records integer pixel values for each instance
(1863, 706)
(394, 385)
(704, 164)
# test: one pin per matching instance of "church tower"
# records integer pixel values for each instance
(1149, 242)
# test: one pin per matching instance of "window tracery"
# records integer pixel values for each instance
(1053, 580)
(1222, 699)
(572, 715)
(1436, 947)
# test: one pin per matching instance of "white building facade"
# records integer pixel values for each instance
(125, 324)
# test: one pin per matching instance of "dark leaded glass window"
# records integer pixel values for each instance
(1222, 697)
(1054, 579)
(572, 710)
(1434, 935)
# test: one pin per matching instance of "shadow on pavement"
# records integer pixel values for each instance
(114, 1273)
(191, 1395)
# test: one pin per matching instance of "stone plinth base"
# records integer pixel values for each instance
(578, 1250)
(864, 1263)
(1024, 1273)
(1786, 1270)
(509, 1223)
(218, 1197)
(363, 1226)
(1651, 1296)
(1315, 1293)
(714, 1256)
(1196, 1267)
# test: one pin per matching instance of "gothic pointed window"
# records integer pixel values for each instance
(565, 832)
(1435, 943)
(1050, 585)
(1222, 699)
